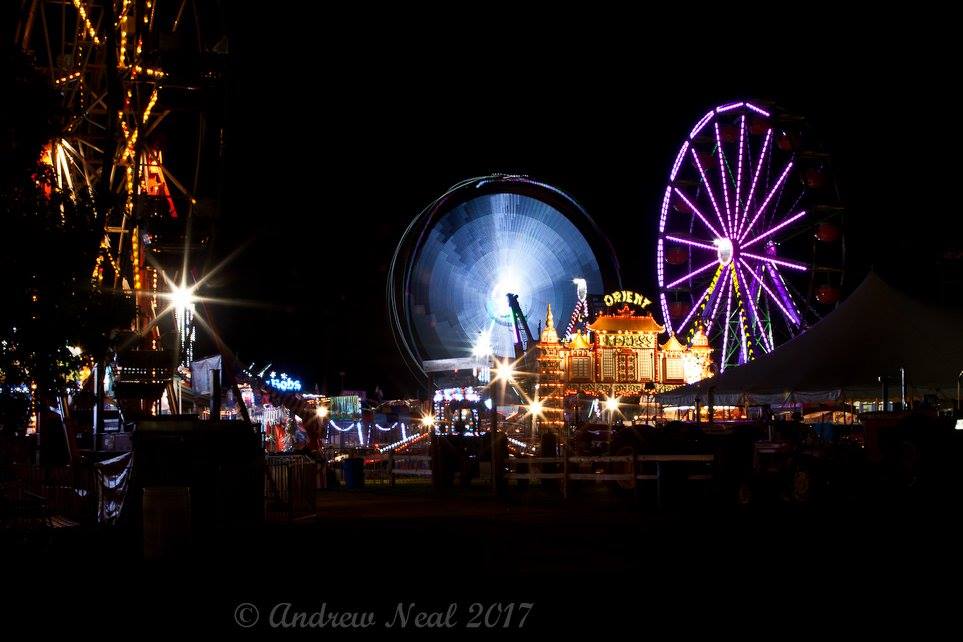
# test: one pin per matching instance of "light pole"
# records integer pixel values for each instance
(504, 374)
(612, 406)
(535, 410)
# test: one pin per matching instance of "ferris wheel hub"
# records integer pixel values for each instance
(724, 250)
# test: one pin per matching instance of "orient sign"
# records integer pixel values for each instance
(627, 297)
(626, 340)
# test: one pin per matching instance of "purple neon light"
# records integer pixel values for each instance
(696, 305)
(775, 229)
(754, 312)
(702, 123)
(725, 332)
(792, 317)
(742, 138)
(678, 160)
(795, 266)
(765, 203)
(725, 183)
(706, 246)
(692, 274)
(712, 197)
(696, 210)
(753, 288)
(659, 262)
(728, 107)
(665, 207)
(755, 178)
(720, 297)
(665, 312)
(784, 291)
(758, 110)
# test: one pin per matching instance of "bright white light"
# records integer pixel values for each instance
(483, 346)
(723, 251)
(182, 298)
(505, 371)
(322, 411)
(508, 282)
(427, 421)
(535, 408)
(612, 404)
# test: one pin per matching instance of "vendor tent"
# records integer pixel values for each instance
(876, 331)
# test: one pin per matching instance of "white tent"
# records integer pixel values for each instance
(876, 331)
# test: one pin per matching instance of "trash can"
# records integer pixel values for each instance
(352, 469)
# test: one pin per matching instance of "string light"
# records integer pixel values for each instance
(150, 105)
(88, 26)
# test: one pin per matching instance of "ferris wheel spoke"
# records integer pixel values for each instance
(775, 229)
(692, 274)
(754, 312)
(719, 297)
(786, 311)
(769, 259)
(783, 289)
(697, 212)
(708, 186)
(755, 178)
(695, 307)
(691, 242)
(743, 333)
(765, 203)
(753, 286)
(743, 329)
(742, 140)
(725, 331)
(725, 181)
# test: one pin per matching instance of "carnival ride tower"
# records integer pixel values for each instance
(139, 83)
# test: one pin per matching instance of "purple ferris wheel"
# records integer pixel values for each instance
(750, 247)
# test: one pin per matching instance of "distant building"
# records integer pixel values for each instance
(620, 355)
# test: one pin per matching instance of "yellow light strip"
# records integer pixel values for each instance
(87, 24)
(150, 106)
(149, 71)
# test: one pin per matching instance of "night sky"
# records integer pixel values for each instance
(337, 135)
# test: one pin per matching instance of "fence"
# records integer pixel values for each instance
(626, 470)
(290, 487)
(36, 498)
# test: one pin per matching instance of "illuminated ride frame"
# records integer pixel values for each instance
(482, 240)
(750, 244)
(130, 72)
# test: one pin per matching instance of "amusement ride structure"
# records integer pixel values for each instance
(483, 261)
(129, 74)
(750, 247)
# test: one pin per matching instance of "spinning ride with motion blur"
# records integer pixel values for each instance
(476, 269)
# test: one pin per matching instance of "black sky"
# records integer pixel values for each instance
(340, 131)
